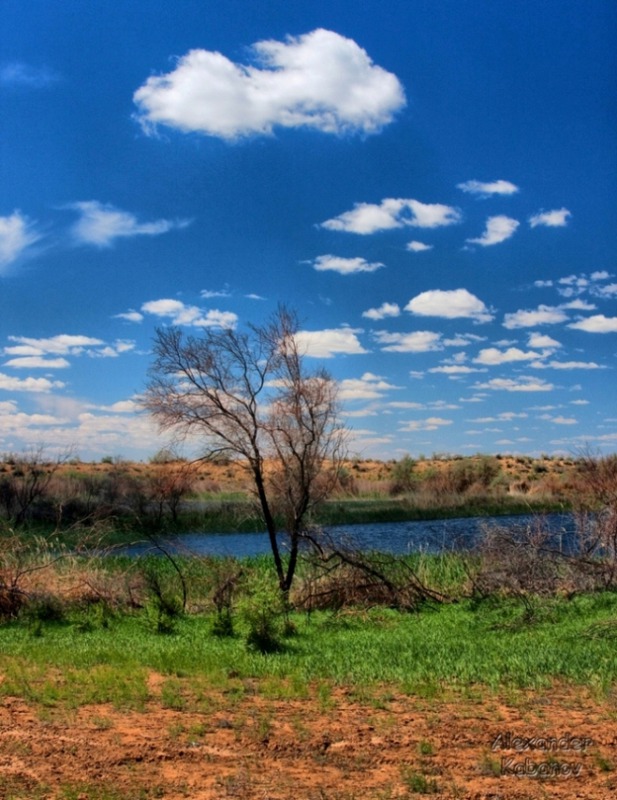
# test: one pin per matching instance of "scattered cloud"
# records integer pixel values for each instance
(36, 362)
(492, 356)
(415, 342)
(452, 304)
(181, 314)
(418, 247)
(368, 387)
(557, 218)
(566, 365)
(392, 213)
(319, 80)
(208, 294)
(596, 324)
(17, 74)
(345, 266)
(100, 224)
(429, 424)
(384, 310)
(559, 420)
(130, 316)
(497, 230)
(330, 342)
(542, 341)
(455, 369)
(17, 234)
(522, 384)
(486, 189)
(543, 315)
(61, 345)
(10, 384)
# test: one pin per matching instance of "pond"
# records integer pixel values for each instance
(432, 536)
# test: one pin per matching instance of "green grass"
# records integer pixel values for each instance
(66, 665)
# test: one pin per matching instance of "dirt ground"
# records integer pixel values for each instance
(558, 744)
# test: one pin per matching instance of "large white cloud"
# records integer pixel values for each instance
(558, 218)
(542, 315)
(497, 230)
(319, 80)
(449, 304)
(488, 188)
(17, 234)
(391, 213)
(345, 266)
(429, 424)
(100, 224)
(330, 342)
(596, 324)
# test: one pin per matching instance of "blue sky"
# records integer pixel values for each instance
(430, 184)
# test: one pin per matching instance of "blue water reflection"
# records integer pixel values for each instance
(433, 536)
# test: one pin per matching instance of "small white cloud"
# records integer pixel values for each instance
(368, 387)
(491, 356)
(17, 234)
(60, 345)
(330, 342)
(100, 224)
(486, 189)
(522, 384)
(567, 365)
(539, 340)
(610, 290)
(36, 362)
(596, 324)
(130, 316)
(557, 218)
(36, 385)
(181, 314)
(452, 304)
(455, 369)
(429, 424)
(542, 284)
(345, 266)
(497, 230)
(208, 294)
(384, 310)
(418, 247)
(319, 80)
(543, 315)
(415, 342)
(392, 213)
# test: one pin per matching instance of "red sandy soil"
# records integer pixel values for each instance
(257, 747)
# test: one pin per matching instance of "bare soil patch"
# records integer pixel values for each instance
(256, 746)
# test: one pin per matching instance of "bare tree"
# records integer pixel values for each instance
(250, 396)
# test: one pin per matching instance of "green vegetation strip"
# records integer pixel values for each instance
(70, 664)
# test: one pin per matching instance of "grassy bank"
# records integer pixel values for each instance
(71, 663)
